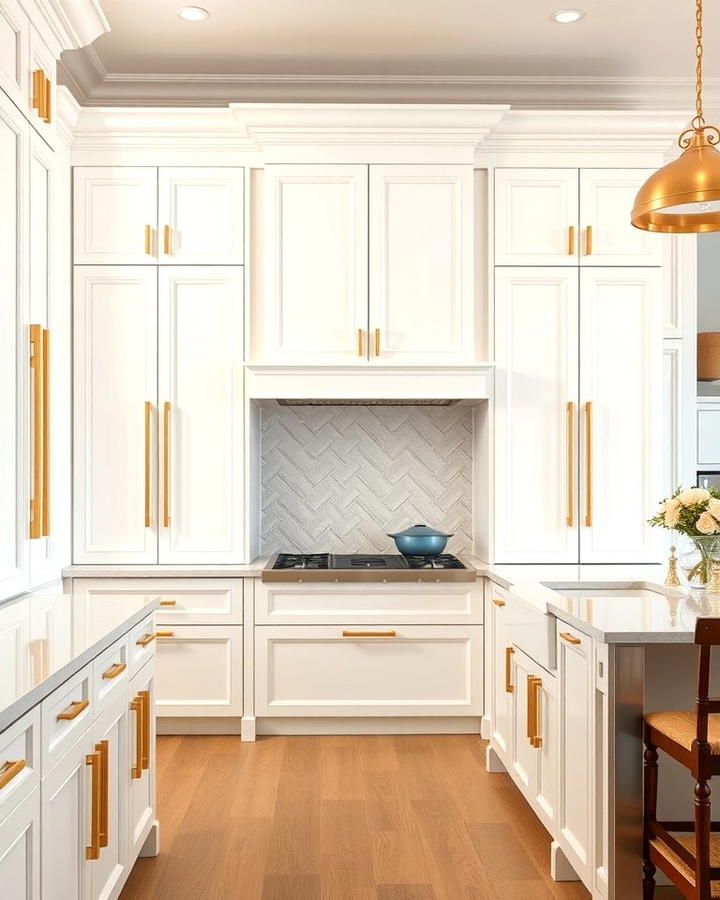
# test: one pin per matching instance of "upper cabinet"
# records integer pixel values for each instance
(569, 217)
(14, 51)
(127, 215)
(367, 264)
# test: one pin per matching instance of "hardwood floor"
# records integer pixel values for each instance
(341, 818)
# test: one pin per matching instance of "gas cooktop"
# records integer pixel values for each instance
(339, 567)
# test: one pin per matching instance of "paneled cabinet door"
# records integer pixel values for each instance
(201, 413)
(14, 555)
(14, 50)
(20, 851)
(115, 389)
(115, 215)
(66, 825)
(536, 466)
(316, 246)
(522, 754)
(544, 796)
(141, 735)
(608, 239)
(200, 215)
(41, 109)
(421, 264)
(501, 686)
(620, 413)
(536, 217)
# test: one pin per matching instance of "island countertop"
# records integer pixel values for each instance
(50, 638)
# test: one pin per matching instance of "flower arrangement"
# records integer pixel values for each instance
(694, 512)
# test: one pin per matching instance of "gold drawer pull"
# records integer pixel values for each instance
(369, 634)
(148, 240)
(571, 240)
(361, 342)
(377, 342)
(145, 640)
(536, 687)
(498, 602)
(47, 111)
(145, 703)
(165, 634)
(38, 98)
(103, 750)
(114, 670)
(73, 711)
(10, 770)
(95, 762)
(570, 638)
(167, 239)
(168, 602)
(508, 669)
(589, 240)
(136, 706)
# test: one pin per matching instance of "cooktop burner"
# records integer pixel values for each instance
(363, 566)
(302, 561)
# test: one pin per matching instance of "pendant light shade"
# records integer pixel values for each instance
(684, 196)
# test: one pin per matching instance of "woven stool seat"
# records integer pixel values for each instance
(688, 841)
(681, 727)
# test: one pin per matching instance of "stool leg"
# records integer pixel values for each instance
(650, 813)
(702, 839)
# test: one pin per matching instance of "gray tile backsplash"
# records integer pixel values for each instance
(339, 477)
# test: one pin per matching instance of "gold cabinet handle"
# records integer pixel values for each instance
(148, 424)
(570, 518)
(530, 710)
(390, 634)
(167, 239)
(38, 98)
(377, 342)
(146, 639)
(93, 760)
(571, 240)
(166, 465)
(45, 517)
(588, 464)
(361, 342)
(9, 770)
(148, 240)
(570, 638)
(38, 419)
(536, 739)
(72, 711)
(103, 749)
(589, 240)
(498, 601)
(168, 603)
(162, 634)
(145, 702)
(509, 651)
(136, 707)
(47, 100)
(114, 670)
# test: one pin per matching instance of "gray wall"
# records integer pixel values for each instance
(339, 477)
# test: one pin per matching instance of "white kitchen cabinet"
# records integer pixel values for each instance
(316, 277)
(369, 670)
(536, 410)
(40, 105)
(621, 413)
(576, 749)
(115, 414)
(421, 264)
(201, 397)
(14, 53)
(522, 752)
(536, 217)
(141, 759)
(545, 789)
(199, 671)
(498, 669)
(608, 238)
(116, 215)
(200, 215)
(13, 659)
(20, 850)
(708, 433)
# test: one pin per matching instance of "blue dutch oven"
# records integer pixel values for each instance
(420, 540)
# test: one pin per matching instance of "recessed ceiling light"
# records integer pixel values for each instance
(567, 16)
(193, 13)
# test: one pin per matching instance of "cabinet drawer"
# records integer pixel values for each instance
(66, 714)
(141, 642)
(200, 602)
(19, 760)
(111, 672)
(306, 604)
(199, 671)
(371, 670)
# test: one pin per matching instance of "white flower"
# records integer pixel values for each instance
(693, 496)
(672, 513)
(706, 524)
(713, 508)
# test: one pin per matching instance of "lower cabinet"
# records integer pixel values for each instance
(369, 670)
(20, 851)
(141, 759)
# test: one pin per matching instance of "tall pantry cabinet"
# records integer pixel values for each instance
(158, 332)
(578, 345)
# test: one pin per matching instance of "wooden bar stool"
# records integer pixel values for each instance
(687, 852)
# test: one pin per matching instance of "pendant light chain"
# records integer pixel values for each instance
(699, 120)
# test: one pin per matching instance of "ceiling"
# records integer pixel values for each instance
(621, 52)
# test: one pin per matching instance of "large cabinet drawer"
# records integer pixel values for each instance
(372, 670)
(308, 604)
(19, 761)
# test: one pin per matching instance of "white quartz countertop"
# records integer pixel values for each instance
(248, 570)
(51, 638)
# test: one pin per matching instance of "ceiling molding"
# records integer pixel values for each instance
(73, 24)
(67, 113)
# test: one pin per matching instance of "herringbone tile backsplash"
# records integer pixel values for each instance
(339, 477)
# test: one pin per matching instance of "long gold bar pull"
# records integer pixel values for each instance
(377, 342)
(530, 718)
(94, 761)
(36, 366)
(104, 751)
(588, 464)
(45, 526)
(148, 240)
(536, 740)
(361, 342)
(167, 240)
(148, 417)
(509, 651)
(47, 100)
(571, 240)
(166, 464)
(570, 518)
(145, 702)
(589, 240)
(136, 706)
(38, 97)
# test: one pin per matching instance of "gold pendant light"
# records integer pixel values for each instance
(684, 196)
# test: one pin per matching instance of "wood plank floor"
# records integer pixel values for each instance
(341, 818)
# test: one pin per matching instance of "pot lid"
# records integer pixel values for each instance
(420, 531)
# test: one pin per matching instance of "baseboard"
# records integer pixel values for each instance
(485, 728)
(370, 725)
(199, 725)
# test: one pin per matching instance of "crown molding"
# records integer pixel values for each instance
(69, 24)
(67, 113)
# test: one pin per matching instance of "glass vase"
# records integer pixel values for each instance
(697, 559)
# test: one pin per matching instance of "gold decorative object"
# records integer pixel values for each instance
(672, 579)
(684, 196)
